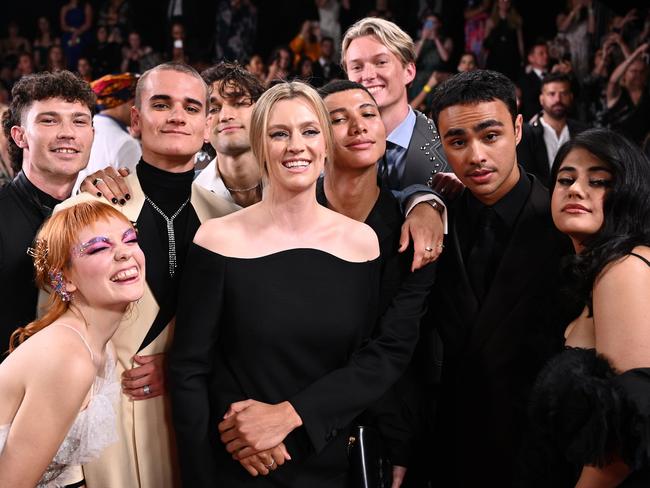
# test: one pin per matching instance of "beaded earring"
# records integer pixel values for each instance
(58, 285)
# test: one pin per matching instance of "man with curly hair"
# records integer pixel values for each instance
(49, 131)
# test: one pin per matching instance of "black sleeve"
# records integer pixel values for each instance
(335, 400)
(195, 365)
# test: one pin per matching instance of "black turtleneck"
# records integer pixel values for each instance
(168, 191)
(23, 208)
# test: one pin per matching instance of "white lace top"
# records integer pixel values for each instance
(93, 430)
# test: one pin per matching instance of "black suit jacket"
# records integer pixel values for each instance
(531, 150)
(493, 352)
(531, 86)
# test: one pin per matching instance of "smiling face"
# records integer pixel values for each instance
(295, 145)
(372, 64)
(359, 133)
(577, 201)
(107, 266)
(480, 143)
(56, 137)
(171, 118)
(229, 121)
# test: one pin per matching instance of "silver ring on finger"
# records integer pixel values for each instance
(428, 249)
(146, 389)
(97, 180)
(269, 466)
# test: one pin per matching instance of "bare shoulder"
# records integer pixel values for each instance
(56, 356)
(359, 238)
(628, 272)
(224, 234)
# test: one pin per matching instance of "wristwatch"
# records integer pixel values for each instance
(437, 206)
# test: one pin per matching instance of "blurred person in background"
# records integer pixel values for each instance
(56, 60)
(136, 57)
(117, 17)
(306, 44)
(85, 69)
(76, 19)
(255, 66)
(530, 81)
(577, 23)
(113, 144)
(105, 53)
(279, 64)
(236, 28)
(43, 41)
(14, 44)
(432, 51)
(504, 39)
(628, 100)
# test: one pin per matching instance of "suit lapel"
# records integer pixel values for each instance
(454, 278)
(424, 156)
(524, 259)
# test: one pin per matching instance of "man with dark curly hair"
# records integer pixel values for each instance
(49, 131)
(234, 174)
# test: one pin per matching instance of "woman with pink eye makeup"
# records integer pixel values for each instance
(58, 384)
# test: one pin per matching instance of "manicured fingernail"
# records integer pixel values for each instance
(127, 196)
(99, 193)
(114, 200)
(122, 201)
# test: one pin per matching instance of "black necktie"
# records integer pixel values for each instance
(480, 260)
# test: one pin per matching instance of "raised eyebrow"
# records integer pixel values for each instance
(487, 124)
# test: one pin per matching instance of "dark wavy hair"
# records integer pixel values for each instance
(235, 81)
(626, 207)
(37, 87)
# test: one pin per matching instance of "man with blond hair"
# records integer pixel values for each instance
(381, 56)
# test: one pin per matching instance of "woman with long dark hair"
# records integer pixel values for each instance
(591, 406)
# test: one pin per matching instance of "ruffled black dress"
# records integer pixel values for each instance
(582, 412)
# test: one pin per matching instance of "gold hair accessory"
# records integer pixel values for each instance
(39, 253)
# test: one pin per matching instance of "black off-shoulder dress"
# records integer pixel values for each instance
(294, 325)
(583, 412)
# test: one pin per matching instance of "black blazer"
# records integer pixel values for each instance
(531, 86)
(531, 150)
(494, 352)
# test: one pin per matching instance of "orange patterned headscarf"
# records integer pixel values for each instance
(114, 90)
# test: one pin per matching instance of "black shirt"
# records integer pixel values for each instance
(23, 208)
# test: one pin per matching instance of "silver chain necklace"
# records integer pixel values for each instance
(170, 232)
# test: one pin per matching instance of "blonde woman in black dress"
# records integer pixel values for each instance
(278, 353)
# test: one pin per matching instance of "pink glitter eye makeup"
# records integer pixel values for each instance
(101, 242)
(93, 245)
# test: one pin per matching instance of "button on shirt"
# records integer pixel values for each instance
(552, 141)
(400, 138)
